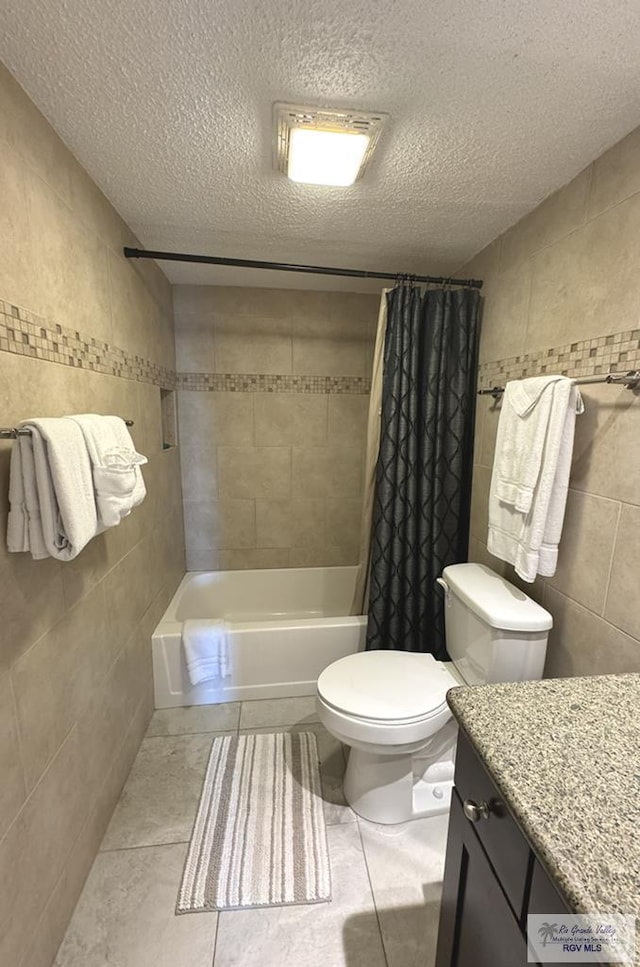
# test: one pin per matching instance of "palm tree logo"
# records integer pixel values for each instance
(547, 931)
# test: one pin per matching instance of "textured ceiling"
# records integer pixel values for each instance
(168, 105)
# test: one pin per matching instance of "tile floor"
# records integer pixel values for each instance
(386, 880)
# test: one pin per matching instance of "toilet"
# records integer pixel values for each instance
(390, 707)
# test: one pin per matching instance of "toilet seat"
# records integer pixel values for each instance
(385, 698)
(386, 686)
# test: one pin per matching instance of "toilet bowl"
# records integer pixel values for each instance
(390, 708)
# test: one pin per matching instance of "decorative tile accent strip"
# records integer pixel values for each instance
(25, 333)
(257, 383)
(590, 357)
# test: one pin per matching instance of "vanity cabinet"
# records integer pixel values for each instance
(492, 877)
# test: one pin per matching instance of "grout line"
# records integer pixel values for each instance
(373, 895)
(129, 849)
(215, 939)
(611, 560)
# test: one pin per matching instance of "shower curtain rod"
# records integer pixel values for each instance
(141, 253)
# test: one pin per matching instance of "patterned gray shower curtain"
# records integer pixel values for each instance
(423, 472)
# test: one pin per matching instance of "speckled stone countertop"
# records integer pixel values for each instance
(565, 755)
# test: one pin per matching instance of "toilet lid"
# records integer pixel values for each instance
(386, 685)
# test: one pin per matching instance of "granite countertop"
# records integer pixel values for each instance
(565, 755)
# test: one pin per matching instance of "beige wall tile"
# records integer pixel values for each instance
(291, 418)
(250, 344)
(557, 216)
(623, 607)
(326, 471)
(254, 558)
(194, 350)
(127, 590)
(327, 556)
(489, 432)
(15, 249)
(223, 524)
(203, 558)
(57, 676)
(34, 851)
(290, 523)
(504, 320)
(351, 308)
(585, 285)
(343, 521)
(606, 454)
(587, 537)
(616, 174)
(69, 265)
(31, 600)
(480, 503)
(12, 787)
(581, 643)
(223, 418)
(481, 408)
(348, 419)
(247, 472)
(29, 133)
(330, 347)
(199, 462)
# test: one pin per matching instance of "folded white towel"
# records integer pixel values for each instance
(527, 407)
(206, 649)
(115, 465)
(51, 489)
(529, 540)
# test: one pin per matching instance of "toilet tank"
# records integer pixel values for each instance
(494, 632)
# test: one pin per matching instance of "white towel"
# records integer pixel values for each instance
(51, 489)
(529, 540)
(528, 405)
(115, 465)
(206, 649)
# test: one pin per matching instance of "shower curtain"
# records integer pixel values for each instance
(426, 350)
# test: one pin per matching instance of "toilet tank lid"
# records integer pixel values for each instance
(494, 599)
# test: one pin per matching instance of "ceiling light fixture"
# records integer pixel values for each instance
(322, 146)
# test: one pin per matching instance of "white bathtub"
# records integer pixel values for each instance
(286, 626)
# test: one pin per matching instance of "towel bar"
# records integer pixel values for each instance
(631, 380)
(12, 432)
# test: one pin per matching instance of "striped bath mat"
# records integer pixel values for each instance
(259, 837)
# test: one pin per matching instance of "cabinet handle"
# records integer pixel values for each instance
(475, 811)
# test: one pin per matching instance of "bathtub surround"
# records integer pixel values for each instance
(562, 294)
(273, 395)
(80, 330)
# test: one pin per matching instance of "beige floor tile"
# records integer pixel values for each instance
(125, 916)
(343, 933)
(158, 804)
(278, 711)
(195, 718)
(406, 864)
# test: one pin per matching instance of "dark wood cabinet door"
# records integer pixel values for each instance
(477, 925)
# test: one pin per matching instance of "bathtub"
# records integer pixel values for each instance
(285, 626)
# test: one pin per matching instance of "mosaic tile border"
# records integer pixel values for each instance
(257, 383)
(590, 357)
(27, 334)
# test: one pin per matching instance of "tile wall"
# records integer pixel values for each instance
(562, 294)
(81, 329)
(273, 397)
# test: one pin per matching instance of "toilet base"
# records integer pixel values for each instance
(386, 789)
